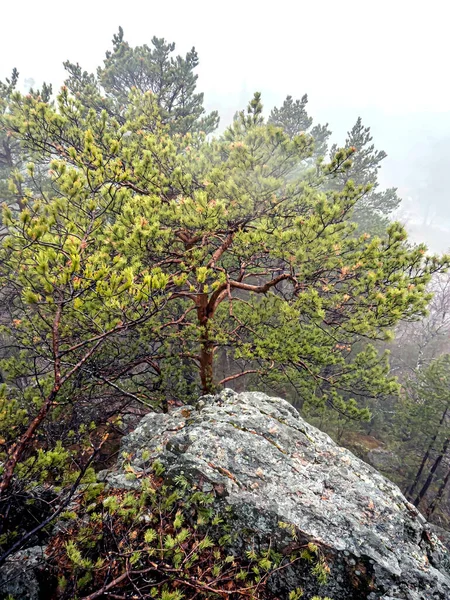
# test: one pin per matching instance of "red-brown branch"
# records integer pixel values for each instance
(237, 375)
(55, 346)
(223, 248)
(224, 289)
(107, 587)
(19, 447)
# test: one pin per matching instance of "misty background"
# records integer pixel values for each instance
(386, 62)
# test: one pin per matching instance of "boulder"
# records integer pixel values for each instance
(22, 576)
(271, 466)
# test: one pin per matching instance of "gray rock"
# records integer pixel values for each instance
(20, 575)
(442, 534)
(271, 466)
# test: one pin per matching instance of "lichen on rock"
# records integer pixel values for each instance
(277, 483)
(271, 466)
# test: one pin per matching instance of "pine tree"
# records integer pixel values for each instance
(423, 424)
(373, 210)
(147, 250)
(147, 69)
(10, 158)
(13, 174)
(69, 298)
(255, 260)
(293, 118)
(372, 213)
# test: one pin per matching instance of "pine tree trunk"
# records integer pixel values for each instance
(409, 492)
(433, 470)
(436, 500)
(206, 346)
(206, 366)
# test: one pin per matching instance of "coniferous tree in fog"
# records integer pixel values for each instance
(147, 69)
(293, 118)
(175, 247)
(13, 175)
(372, 213)
(428, 420)
(10, 154)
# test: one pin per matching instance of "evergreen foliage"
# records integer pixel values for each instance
(10, 158)
(13, 176)
(372, 211)
(242, 254)
(144, 262)
(146, 69)
(293, 118)
(170, 542)
(424, 422)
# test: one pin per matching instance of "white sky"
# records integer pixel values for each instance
(389, 54)
(386, 60)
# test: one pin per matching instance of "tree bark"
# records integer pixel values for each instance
(409, 492)
(436, 500)
(433, 470)
(206, 345)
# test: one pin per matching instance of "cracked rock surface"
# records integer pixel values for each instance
(268, 463)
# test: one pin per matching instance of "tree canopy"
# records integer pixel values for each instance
(374, 209)
(145, 260)
(146, 69)
(245, 255)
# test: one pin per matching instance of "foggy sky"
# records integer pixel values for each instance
(386, 61)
